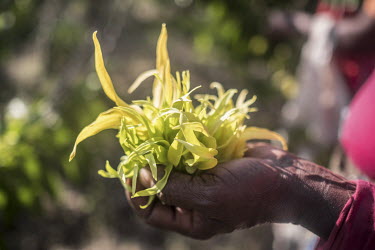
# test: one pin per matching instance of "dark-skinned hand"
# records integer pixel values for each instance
(267, 185)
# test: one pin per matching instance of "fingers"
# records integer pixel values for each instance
(145, 178)
(186, 222)
(162, 216)
(171, 218)
(135, 203)
(183, 190)
(165, 216)
(157, 214)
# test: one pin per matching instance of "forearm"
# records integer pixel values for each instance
(318, 197)
(304, 192)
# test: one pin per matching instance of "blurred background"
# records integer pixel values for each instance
(49, 91)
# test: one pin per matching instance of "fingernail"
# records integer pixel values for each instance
(181, 210)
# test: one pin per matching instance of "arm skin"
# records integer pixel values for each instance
(267, 185)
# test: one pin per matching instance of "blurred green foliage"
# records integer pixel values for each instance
(44, 104)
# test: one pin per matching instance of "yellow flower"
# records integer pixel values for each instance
(168, 130)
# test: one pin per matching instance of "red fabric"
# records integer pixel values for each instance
(358, 132)
(355, 68)
(337, 12)
(355, 228)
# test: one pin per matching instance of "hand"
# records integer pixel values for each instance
(237, 194)
(267, 185)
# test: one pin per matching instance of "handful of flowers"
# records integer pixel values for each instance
(167, 131)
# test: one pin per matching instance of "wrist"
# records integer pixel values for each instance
(318, 196)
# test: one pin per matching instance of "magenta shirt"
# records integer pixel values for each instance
(358, 132)
(355, 228)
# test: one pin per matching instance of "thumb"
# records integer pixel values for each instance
(145, 178)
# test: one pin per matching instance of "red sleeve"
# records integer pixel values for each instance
(355, 228)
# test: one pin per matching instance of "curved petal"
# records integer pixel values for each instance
(201, 151)
(162, 59)
(175, 150)
(161, 49)
(103, 75)
(218, 87)
(141, 78)
(111, 119)
(241, 98)
(150, 200)
(263, 134)
(158, 185)
(211, 163)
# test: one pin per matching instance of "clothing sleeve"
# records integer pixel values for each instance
(355, 227)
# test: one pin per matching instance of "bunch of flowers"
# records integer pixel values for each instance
(168, 131)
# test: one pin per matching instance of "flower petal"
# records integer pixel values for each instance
(263, 134)
(161, 61)
(103, 75)
(110, 173)
(161, 49)
(141, 78)
(111, 119)
(158, 186)
(201, 151)
(207, 164)
(152, 163)
(175, 150)
(150, 200)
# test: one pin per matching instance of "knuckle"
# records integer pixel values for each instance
(207, 197)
